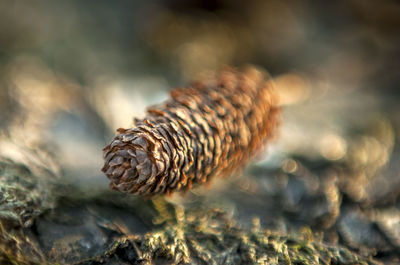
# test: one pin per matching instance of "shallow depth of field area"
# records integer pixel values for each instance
(325, 191)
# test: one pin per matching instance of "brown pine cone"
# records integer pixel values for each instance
(210, 128)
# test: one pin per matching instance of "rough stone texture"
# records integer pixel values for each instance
(23, 197)
(210, 236)
(110, 228)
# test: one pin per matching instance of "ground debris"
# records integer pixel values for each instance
(23, 197)
(210, 236)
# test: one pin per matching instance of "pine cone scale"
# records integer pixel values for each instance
(213, 127)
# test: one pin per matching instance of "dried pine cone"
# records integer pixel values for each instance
(210, 128)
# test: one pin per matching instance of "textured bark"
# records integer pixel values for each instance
(211, 128)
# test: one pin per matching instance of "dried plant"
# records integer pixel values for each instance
(210, 128)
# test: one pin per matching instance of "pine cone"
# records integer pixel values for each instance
(208, 129)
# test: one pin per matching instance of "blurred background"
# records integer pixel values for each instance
(71, 72)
